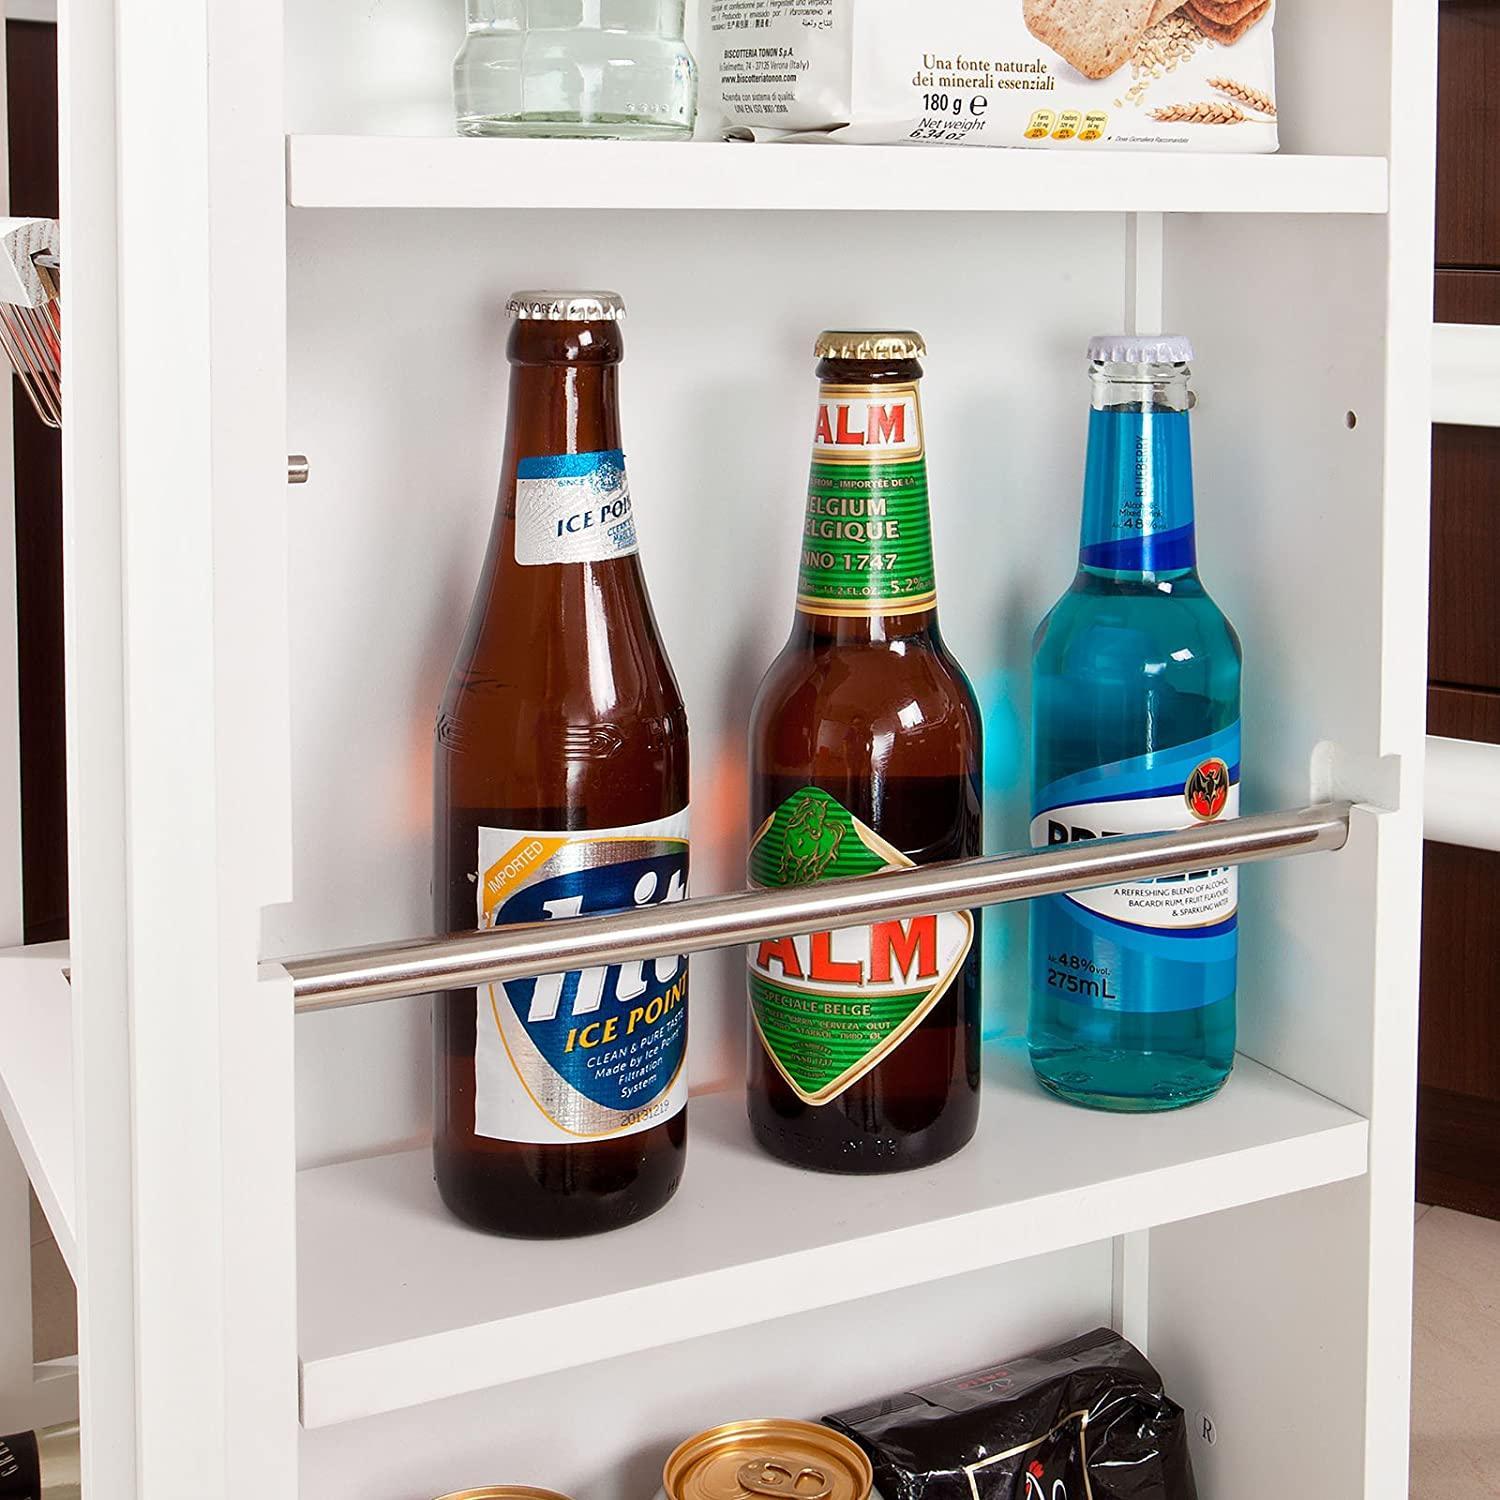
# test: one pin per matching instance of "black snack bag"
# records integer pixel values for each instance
(1087, 1420)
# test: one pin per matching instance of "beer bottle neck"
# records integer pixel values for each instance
(1138, 489)
(565, 498)
(867, 569)
(561, 577)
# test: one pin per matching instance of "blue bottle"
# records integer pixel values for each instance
(1136, 727)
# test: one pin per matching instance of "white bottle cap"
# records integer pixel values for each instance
(1140, 349)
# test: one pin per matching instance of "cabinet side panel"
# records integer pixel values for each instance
(353, 67)
(1333, 69)
(1258, 1328)
(397, 364)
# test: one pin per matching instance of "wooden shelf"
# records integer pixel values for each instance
(36, 1079)
(400, 1304)
(346, 171)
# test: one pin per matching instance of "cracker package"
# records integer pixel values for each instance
(1071, 75)
(1087, 1420)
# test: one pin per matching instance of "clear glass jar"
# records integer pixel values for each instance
(612, 68)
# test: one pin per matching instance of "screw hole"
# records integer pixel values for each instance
(1351, 420)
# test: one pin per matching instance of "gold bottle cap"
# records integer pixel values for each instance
(768, 1460)
(567, 307)
(889, 344)
(504, 1492)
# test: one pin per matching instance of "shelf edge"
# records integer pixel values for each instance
(346, 1387)
(350, 171)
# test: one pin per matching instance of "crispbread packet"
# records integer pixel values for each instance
(1088, 1418)
(1075, 75)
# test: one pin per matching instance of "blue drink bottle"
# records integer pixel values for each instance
(1136, 728)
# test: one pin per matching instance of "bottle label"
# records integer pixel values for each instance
(594, 1053)
(573, 508)
(867, 539)
(1151, 945)
(830, 1005)
(1138, 493)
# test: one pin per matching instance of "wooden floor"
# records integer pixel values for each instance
(1455, 1429)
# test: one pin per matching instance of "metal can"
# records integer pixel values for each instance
(504, 1492)
(768, 1460)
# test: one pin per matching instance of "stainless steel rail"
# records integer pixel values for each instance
(390, 970)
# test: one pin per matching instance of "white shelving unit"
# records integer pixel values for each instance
(271, 1301)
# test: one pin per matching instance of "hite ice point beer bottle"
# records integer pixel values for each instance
(562, 791)
(865, 756)
(1136, 700)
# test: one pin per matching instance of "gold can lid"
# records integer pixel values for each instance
(768, 1460)
(872, 344)
(504, 1492)
(567, 307)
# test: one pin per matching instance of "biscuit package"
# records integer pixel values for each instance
(1074, 75)
(1087, 1420)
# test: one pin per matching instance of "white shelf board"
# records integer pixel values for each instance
(354, 171)
(399, 1304)
(1466, 374)
(36, 1078)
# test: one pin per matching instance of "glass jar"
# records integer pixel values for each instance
(611, 68)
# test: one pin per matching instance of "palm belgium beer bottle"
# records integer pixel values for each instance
(865, 756)
(562, 791)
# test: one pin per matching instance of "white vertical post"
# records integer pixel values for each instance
(1131, 1302)
(1144, 256)
(1403, 676)
(252, 706)
(96, 750)
(175, 479)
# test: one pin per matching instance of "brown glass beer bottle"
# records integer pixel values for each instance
(562, 791)
(865, 756)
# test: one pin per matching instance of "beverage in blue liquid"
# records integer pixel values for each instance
(1136, 727)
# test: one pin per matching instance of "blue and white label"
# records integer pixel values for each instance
(573, 508)
(1150, 945)
(593, 1053)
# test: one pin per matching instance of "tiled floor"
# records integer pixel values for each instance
(1455, 1426)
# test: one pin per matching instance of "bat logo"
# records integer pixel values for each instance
(1207, 790)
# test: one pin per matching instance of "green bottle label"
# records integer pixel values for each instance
(867, 542)
(830, 1005)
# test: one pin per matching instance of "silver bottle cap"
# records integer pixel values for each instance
(568, 307)
(1140, 349)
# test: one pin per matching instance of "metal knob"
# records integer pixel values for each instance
(296, 468)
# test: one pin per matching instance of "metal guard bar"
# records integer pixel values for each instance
(488, 956)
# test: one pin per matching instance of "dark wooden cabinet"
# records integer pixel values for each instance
(31, 106)
(1468, 168)
(1464, 644)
